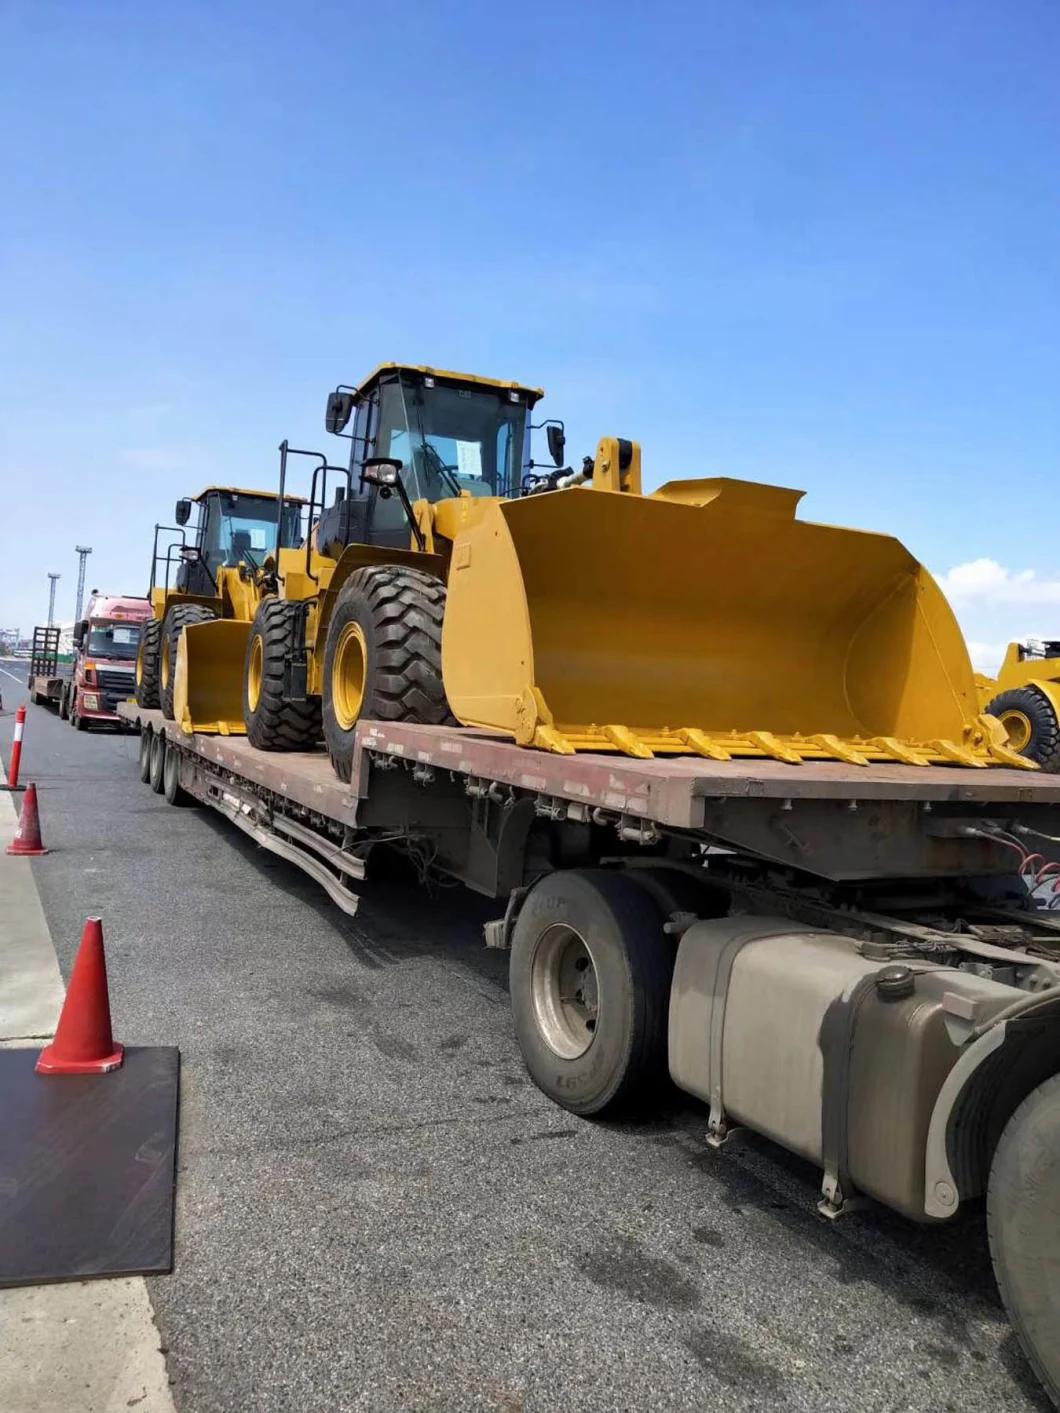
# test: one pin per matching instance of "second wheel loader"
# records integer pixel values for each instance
(216, 577)
(451, 580)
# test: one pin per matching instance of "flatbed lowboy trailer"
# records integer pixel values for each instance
(851, 960)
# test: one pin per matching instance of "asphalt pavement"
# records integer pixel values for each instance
(377, 1210)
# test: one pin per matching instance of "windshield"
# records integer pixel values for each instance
(243, 527)
(452, 440)
(114, 640)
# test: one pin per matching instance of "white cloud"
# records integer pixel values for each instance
(985, 580)
(996, 606)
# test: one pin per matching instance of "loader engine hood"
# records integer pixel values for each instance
(705, 619)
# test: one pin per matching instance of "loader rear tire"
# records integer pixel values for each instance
(590, 977)
(1031, 721)
(273, 721)
(1023, 1224)
(147, 663)
(383, 660)
(181, 616)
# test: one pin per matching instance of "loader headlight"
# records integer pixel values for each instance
(380, 471)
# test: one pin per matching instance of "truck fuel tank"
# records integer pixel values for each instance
(839, 1056)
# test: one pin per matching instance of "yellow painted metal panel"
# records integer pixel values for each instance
(585, 615)
(208, 687)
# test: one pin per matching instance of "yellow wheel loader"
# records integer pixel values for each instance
(451, 579)
(214, 577)
(1025, 698)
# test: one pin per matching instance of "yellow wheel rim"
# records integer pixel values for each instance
(140, 665)
(165, 663)
(255, 672)
(347, 676)
(1019, 728)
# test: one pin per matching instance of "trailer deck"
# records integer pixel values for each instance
(670, 790)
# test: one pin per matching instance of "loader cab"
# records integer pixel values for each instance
(233, 527)
(455, 434)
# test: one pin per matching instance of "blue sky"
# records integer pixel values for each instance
(802, 241)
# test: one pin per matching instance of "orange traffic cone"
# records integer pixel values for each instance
(27, 838)
(83, 1043)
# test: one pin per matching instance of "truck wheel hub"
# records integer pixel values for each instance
(564, 989)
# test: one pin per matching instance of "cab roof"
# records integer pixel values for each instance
(466, 380)
(243, 491)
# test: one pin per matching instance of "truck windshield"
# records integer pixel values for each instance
(117, 641)
(243, 527)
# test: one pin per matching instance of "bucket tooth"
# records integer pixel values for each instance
(897, 750)
(627, 741)
(841, 750)
(547, 738)
(702, 744)
(961, 755)
(769, 745)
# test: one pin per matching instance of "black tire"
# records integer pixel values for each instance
(1035, 709)
(174, 792)
(145, 754)
(179, 617)
(157, 769)
(398, 613)
(148, 665)
(77, 721)
(64, 703)
(273, 722)
(619, 925)
(1023, 1223)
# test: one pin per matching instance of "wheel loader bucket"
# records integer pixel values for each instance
(705, 619)
(208, 687)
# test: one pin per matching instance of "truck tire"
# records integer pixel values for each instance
(77, 721)
(383, 659)
(174, 792)
(156, 776)
(179, 617)
(64, 702)
(1023, 1224)
(145, 754)
(590, 977)
(147, 663)
(1031, 722)
(273, 721)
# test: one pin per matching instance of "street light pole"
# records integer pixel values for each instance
(83, 552)
(51, 598)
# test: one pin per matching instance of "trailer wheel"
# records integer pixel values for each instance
(172, 789)
(383, 659)
(273, 721)
(179, 617)
(590, 977)
(157, 768)
(147, 663)
(1023, 1223)
(1030, 719)
(145, 754)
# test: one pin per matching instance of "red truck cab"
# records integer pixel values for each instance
(105, 644)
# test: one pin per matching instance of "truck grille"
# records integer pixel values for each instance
(115, 685)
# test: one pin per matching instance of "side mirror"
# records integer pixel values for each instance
(80, 631)
(557, 442)
(382, 471)
(339, 409)
(182, 514)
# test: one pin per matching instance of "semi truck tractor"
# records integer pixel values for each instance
(105, 644)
